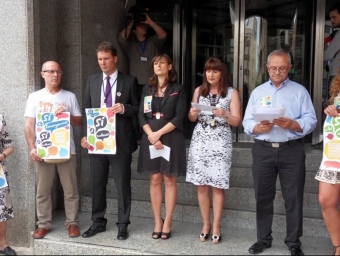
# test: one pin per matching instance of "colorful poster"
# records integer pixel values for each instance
(53, 135)
(331, 144)
(3, 181)
(101, 130)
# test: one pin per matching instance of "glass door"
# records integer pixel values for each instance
(270, 25)
(213, 34)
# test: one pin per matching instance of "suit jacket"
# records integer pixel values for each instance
(173, 105)
(128, 87)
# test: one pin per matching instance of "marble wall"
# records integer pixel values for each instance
(34, 31)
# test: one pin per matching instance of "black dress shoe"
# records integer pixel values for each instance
(296, 250)
(8, 251)
(122, 234)
(92, 231)
(258, 247)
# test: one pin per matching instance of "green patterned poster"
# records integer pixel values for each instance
(331, 144)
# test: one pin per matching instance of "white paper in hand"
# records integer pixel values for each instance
(267, 113)
(165, 152)
(203, 107)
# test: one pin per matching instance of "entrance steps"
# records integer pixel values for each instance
(238, 222)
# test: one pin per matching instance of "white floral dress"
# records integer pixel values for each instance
(210, 152)
(6, 207)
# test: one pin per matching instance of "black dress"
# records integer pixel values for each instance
(176, 166)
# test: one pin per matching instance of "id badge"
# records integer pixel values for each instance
(143, 58)
(212, 122)
(158, 115)
(147, 104)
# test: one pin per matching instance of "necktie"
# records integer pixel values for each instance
(108, 95)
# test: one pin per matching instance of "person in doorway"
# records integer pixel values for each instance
(278, 150)
(140, 49)
(331, 53)
(52, 98)
(118, 92)
(329, 181)
(6, 206)
(209, 168)
(161, 115)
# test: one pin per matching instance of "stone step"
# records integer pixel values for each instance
(184, 240)
(238, 197)
(242, 156)
(313, 226)
(240, 177)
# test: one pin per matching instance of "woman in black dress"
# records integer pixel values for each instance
(161, 114)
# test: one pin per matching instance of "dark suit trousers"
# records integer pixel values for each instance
(288, 162)
(121, 168)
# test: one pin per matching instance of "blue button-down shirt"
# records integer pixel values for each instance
(298, 107)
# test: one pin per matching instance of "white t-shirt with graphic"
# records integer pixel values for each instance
(42, 101)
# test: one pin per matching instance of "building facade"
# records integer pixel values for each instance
(242, 32)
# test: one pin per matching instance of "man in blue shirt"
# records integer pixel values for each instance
(278, 149)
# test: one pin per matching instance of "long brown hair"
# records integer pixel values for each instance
(215, 63)
(172, 74)
(334, 89)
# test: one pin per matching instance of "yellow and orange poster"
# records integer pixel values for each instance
(53, 135)
(101, 130)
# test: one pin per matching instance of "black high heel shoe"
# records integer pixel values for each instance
(204, 237)
(157, 235)
(165, 236)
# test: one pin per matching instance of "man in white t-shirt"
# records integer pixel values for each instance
(56, 100)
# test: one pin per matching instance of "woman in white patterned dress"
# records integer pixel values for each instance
(210, 151)
(6, 208)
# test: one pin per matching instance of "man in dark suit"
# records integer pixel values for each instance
(118, 92)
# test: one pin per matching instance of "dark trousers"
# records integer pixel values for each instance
(288, 162)
(121, 169)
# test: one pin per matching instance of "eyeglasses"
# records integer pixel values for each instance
(274, 69)
(59, 72)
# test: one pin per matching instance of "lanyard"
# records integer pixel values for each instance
(213, 101)
(142, 46)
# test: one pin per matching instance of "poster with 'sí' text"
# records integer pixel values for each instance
(53, 135)
(101, 131)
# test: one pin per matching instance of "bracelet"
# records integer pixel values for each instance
(4, 155)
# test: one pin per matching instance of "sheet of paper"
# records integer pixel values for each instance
(202, 107)
(261, 117)
(165, 152)
(267, 113)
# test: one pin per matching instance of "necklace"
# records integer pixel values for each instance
(158, 101)
(213, 99)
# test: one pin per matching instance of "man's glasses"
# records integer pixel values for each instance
(274, 69)
(59, 72)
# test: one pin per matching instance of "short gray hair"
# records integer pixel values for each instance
(280, 52)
